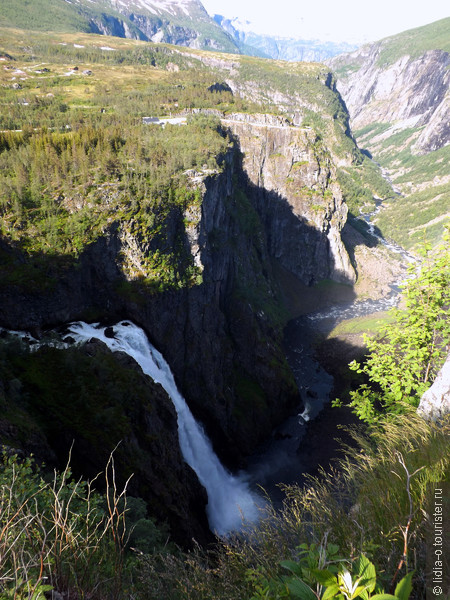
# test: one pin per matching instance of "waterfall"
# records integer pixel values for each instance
(230, 501)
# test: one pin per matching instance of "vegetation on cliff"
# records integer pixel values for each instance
(57, 401)
(76, 157)
(60, 191)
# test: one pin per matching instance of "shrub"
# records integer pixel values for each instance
(406, 355)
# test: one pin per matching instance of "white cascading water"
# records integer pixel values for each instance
(230, 501)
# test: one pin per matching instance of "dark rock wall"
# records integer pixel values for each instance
(90, 404)
(222, 337)
(292, 177)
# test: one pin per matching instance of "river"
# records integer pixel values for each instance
(282, 459)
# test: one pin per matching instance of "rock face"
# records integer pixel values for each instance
(292, 179)
(435, 403)
(412, 91)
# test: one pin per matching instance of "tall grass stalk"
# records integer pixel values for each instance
(58, 535)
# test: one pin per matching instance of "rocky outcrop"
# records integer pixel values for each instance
(435, 403)
(292, 179)
(436, 134)
(115, 26)
(77, 401)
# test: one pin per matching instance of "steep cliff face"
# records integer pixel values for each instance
(411, 92)
(397, 92)
(292, 178)
(176, 228)
(220, 337)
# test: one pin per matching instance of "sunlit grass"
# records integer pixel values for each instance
(370, 324)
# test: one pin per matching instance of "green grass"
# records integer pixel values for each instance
(373, 129)
(369, 324)
(421, 168)
(425, 212)
(395, 141)
(41, 15)
(415, 42)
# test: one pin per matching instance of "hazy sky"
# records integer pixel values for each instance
(348, 20)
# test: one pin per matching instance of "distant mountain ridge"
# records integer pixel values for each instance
(181, 22)
(280, 48)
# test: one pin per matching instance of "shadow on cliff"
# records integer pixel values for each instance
(41, 290)
(296, 243)
(223, 336)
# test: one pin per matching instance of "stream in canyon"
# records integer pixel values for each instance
(282, 458)
(233, 498)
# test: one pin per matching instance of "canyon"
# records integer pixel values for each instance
(262, 220)
(223, 338)
(397, 92)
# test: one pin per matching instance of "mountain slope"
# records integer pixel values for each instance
(397, 93)
(182, 22)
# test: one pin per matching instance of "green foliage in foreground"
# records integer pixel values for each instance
(59, 534)
(348, 534)
(348, 524)
(320, 572)
(406, 355)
